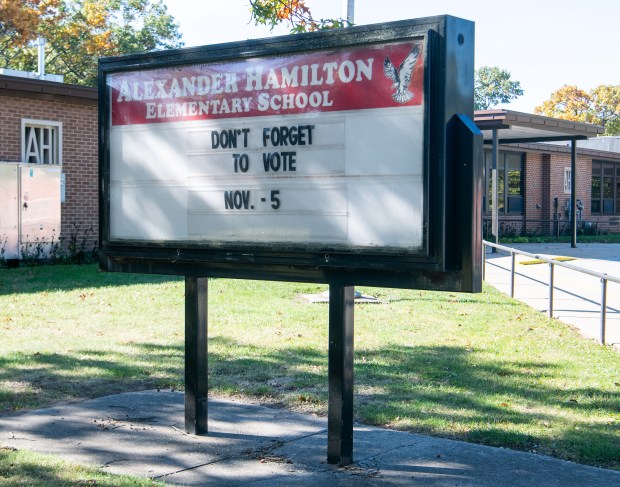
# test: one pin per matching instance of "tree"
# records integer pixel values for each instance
(600, 106)
(606, 106)
(78, 32)
(493, 86)
(567, 103)
(19, 23)
(295, 13)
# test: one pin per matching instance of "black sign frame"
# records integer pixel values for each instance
(452, 256)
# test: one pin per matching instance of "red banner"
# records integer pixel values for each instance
(378, 76)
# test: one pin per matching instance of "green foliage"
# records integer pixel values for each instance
(493, 86)
(157, 29)
(294, 13)
(78, 32)
(606, 107)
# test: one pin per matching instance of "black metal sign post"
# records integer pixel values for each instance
(340, 366)
(196, 355)
(341, 330)
(343, 157)
(340, 375)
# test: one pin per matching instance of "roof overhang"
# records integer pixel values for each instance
(517, 127)
(40, 89)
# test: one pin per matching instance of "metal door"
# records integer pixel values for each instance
(39, 207)
(9, 213)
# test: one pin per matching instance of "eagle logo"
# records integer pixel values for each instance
(401, 76)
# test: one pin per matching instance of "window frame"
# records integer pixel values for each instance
(567, 180)
(603, 200)
(56, 131)
(504, 196)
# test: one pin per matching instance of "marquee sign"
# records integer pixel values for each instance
(290, 158)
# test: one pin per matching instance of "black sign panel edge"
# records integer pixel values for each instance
(452, 234)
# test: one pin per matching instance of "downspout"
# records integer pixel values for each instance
(494, 196)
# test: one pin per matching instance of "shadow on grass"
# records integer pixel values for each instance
(23, 468)
(440, 391)
(445, 391)
(36, 279)
(32, 381)
(27, 469)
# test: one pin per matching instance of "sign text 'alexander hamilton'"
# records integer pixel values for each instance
(358, 78)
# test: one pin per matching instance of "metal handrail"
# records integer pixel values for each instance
(603, 277)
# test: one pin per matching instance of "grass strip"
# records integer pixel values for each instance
(27, 468)
(480, 368)
(603, 238)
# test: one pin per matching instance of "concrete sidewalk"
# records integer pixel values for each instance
(141, 434)
(577, 296)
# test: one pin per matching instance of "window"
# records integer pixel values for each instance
(596, 190)
(514, 191)
(567, 180)
(41, 142)
(605, 188)
(509, 182)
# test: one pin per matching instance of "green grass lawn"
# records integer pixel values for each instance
(31, 469)
(480, 368)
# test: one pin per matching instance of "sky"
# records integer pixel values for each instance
(544, 44)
